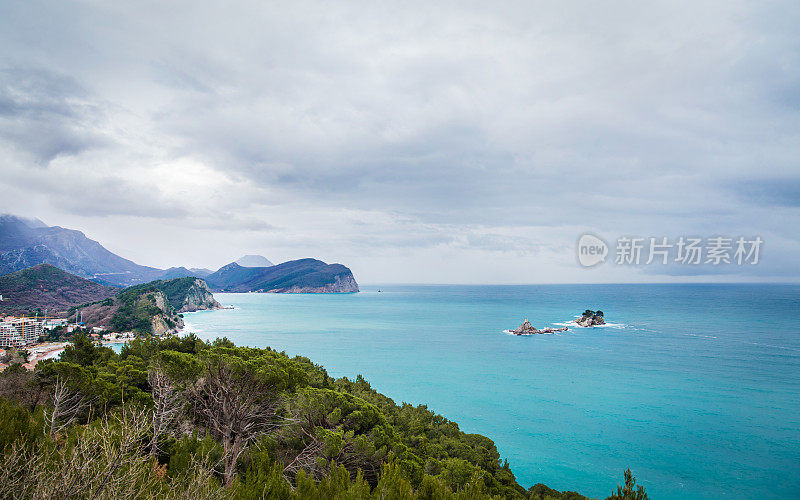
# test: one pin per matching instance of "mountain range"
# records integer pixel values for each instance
(27, 242)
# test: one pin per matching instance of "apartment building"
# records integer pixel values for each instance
(19, 332)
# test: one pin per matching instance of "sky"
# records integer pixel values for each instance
(415, 142)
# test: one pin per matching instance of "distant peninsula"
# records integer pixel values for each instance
(296, 276)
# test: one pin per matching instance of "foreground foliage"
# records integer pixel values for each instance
(181, 418)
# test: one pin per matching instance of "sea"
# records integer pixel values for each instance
(694, 387)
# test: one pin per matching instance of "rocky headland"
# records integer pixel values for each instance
(196, 297)
(296, 276)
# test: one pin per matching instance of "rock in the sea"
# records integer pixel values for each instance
(526, 328)
(590, 318)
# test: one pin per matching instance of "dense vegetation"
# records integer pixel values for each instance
(592, 314)
(45, 287)
(178, 417)
(136, 309)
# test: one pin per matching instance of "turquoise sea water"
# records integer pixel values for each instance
(697, 388)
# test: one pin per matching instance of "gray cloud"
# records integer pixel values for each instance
(46, 114)
(461, 129)
(783, 192)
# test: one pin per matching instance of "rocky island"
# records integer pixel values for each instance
(526, 328)
(590, 318)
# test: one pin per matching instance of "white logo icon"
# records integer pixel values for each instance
(591, 250)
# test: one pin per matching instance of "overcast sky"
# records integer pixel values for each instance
(414, 142)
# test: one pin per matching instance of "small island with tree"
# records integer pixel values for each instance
(590, 318)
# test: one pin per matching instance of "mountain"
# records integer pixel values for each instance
(153, 307)
(254, 261)
(230, 276)
(200, 272)
(47, 287)
(296, 276)
(182, 272)
(27, 242)
(177, 272)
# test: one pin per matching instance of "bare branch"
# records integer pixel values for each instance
(237, 407)
(168, 402)
(67, 405)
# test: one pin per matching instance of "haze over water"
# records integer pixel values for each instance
(694, 388)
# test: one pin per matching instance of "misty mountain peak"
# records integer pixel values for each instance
(254, 261)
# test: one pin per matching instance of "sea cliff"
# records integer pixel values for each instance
(198, 297)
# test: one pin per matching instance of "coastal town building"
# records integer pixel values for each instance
(117, 336)
(19, 332)
(75, 326)
(52, 324)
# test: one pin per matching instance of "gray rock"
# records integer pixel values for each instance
(526, 328)
(199, 298)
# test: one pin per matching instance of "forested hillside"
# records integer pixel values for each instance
(149, 308)
(45, 287)
(181, 418)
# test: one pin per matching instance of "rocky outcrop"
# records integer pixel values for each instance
(143, 310)
(198, 297)
(168, 320)
(341, 284)
(590, 318)
(526, 328)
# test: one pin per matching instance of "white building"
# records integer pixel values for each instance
(19, 332)
(51, 324)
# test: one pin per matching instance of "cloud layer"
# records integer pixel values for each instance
(414, 142)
